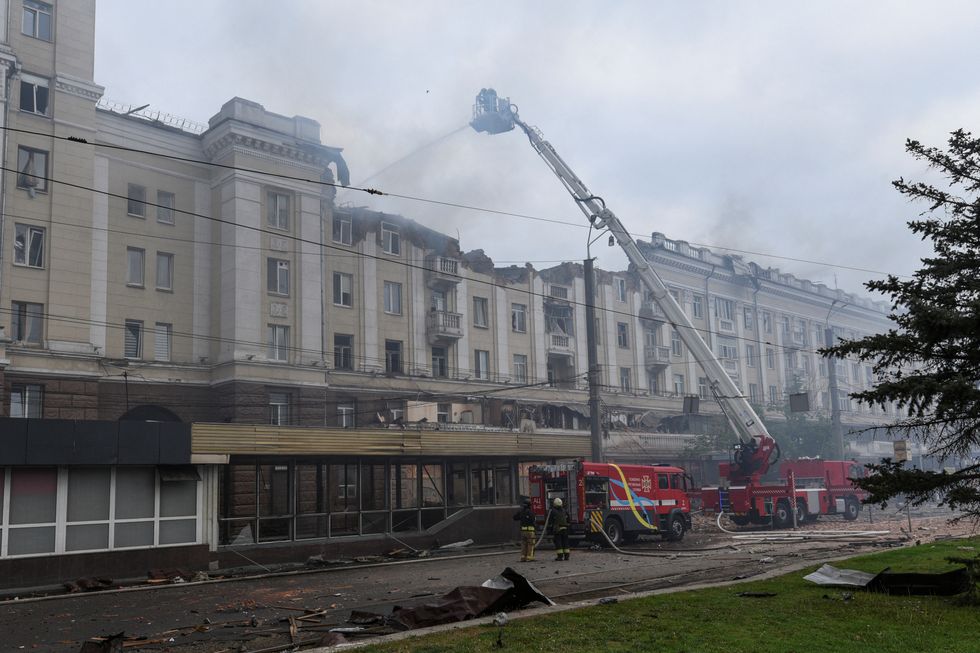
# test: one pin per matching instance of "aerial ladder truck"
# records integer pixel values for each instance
(745, 496)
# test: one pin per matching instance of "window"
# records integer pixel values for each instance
(767, 321)
(440, 362)
(560, 292)
(26, 401)
(754, 395)
(342, 229)
(134, 257)
(165, 271)
(278, 342)
(165, 207)
(728, 349)
(37, 20)
(770, 358)
(750, 355)
(279, 408)
(482, 361)
(345, 414)
(440, 300)
(343, 351)
(133, 339)
(33, 94)
(27, 322)
(278, 210)
(725, 308)
(32, 169)
(480, 312)
(626, 379)
(391, 241)
(620, 289)
(773, 395)
(393, 298)
(678, 384)
(703, 387)
(161, 345)
(697, 306)
(278, 276)
(747, 317)
(518, 317)
(136, 200)
(520, 368)
(29, 245)
(343, 285)
(443, 413)
(393, 356)
(622, 335)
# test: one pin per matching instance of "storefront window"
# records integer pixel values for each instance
(343, 499)
(481, 484)
(33, 510)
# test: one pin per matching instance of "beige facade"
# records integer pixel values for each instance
(206, 274)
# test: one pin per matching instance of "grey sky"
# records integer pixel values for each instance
(762, 126)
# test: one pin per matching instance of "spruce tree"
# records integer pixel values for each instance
(929, 363)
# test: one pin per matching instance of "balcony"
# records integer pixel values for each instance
(650, 310)
(560, 343)
(731, 366)
(657, 356)
(443, 325)
(441, 270)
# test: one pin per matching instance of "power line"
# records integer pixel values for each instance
(377, 257)
(447, 204)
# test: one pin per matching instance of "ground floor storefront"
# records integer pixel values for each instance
(117, 499)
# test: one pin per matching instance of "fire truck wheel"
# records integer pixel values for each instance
(781, 516)
(801, 512)
(614, 530)
(675, 532)
(740, 520)
(851, 509)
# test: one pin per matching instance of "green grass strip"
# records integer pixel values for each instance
(801, 618)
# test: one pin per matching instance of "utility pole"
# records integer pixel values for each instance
(593, 375)
(828, 335)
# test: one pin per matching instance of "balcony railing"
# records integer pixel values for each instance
(443, 324)
(560, 342)
(657, 356)
(650, 310)
(442, 268)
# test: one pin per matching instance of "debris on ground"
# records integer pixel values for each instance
(508, 591)
(155, 576)
(88, 585)
(456, 545)
(947, 583)
(608, 600)
(766, 560)
(756, 595)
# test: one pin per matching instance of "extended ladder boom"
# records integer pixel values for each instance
(756, 453)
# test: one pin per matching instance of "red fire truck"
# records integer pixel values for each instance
(745, 495)
(820, 487)
(625, 501)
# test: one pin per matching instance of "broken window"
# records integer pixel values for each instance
(33, 94)
(32, 169)
(29, 245)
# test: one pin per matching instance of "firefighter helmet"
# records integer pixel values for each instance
(557, 502)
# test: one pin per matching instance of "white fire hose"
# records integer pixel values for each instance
(799, 536)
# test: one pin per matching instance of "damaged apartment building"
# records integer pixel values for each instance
(202, 351)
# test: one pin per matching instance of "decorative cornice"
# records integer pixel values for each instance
(246, 144)
(78, 87)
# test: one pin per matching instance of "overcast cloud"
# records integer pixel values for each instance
(769, 127)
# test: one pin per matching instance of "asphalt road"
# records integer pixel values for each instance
(219, 616)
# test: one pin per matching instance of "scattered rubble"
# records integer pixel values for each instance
(943, 584)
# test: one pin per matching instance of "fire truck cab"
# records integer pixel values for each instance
(625, 501)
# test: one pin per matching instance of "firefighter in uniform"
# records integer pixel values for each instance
(559, 527)
(526, 518)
